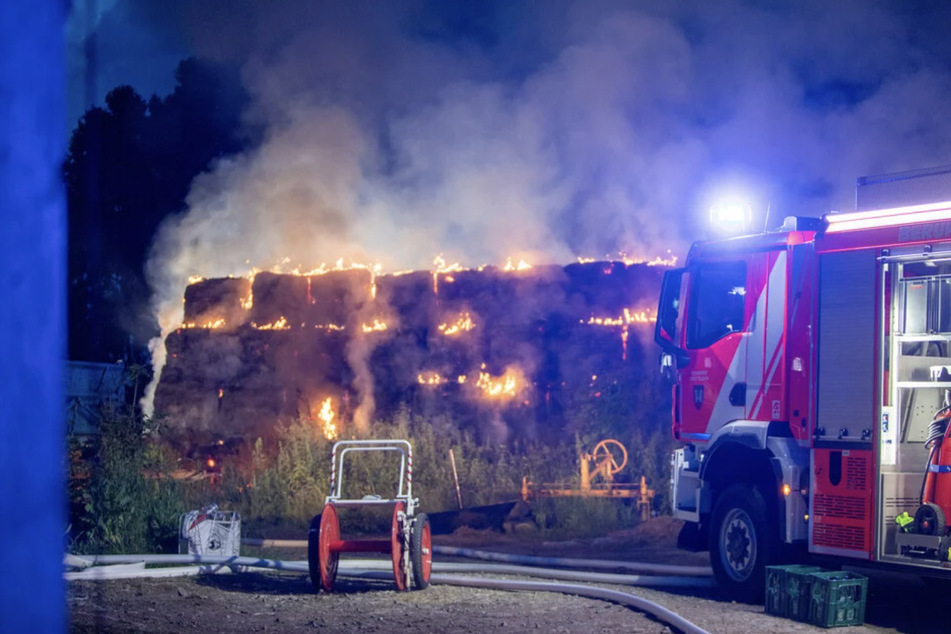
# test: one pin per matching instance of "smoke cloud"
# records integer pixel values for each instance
(398, 131)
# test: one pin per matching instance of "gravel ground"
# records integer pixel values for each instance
(277, 602)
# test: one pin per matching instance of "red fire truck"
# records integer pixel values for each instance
(812, 387)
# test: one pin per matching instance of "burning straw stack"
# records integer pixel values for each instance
(470, 344)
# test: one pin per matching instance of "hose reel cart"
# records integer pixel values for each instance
(410, 542)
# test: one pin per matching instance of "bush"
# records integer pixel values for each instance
(122, 499)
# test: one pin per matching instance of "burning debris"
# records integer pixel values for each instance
(499, 343)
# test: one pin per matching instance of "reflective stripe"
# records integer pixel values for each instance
(939, 468)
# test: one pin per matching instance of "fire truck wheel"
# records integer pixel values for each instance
(421, 551)
(741, 545)
(929, 519)
(313, 552)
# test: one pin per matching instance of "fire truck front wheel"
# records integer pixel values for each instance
(741, 544)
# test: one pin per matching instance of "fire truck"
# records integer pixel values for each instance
(811, 370)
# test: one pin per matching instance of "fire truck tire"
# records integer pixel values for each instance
(421, 551)
(741, 544)
(313, 552)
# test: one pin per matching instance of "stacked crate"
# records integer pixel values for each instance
(813, 595)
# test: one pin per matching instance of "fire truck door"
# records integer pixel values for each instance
(713, 390)
(764, 360)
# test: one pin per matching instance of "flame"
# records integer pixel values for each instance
(630, 316)
(330, 327)
(194, 279)
(326, 417)
(221, 395)
(218, 323)
(376, 326)
(463, 323)
(521, 266)
(585, 260)
(503, 387)
(280, 324)
(440, 266)
(248, 302)
(658, 260)
(430, 378)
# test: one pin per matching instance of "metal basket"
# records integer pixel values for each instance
(210, 532)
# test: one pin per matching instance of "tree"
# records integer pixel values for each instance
(128, 167)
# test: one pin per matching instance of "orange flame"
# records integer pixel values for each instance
(280, 324)
(503, 387)
(521, 266)
(430, 378)
(218, 323)
(463, 323)
(376, 326)
(326, 417)
(630, 316)
(440, 266)
(329, 327)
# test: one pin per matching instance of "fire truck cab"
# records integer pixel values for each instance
(811, 372)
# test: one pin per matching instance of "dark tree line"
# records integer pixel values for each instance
(129, 166)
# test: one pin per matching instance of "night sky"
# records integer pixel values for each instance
(550, 130)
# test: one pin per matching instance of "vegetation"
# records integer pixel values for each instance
(124, 498)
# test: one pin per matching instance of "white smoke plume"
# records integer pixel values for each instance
(397, 131)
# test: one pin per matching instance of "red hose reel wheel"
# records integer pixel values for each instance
(328, 559)
(421, 551)
(396, 547)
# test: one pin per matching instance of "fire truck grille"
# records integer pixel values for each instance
(834, 536)
(855, 476)
(838, 506)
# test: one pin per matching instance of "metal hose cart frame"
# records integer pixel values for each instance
(410, 542)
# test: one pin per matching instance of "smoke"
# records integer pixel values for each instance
(398, 131)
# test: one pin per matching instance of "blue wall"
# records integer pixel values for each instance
(32, 314)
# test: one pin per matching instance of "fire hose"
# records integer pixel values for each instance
(363, 569)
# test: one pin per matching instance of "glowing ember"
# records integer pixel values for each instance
(194, 279)
(376, 326)
(326, 417)
(280, 324)
(463, 323)
(329, 327)
(521, 266)
(221, 393)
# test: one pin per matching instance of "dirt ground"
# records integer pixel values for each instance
(285, 602)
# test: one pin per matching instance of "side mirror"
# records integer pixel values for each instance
(670, 362)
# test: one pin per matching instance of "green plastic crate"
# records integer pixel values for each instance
(837, 598)
(797, 584)
(780, 582)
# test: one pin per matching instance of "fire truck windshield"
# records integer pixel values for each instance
(717, 297)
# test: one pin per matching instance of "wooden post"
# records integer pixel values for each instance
(455, 477)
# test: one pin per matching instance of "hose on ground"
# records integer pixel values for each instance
(563, 562)
(639, 603)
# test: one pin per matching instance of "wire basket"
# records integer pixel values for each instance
(210, 532)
